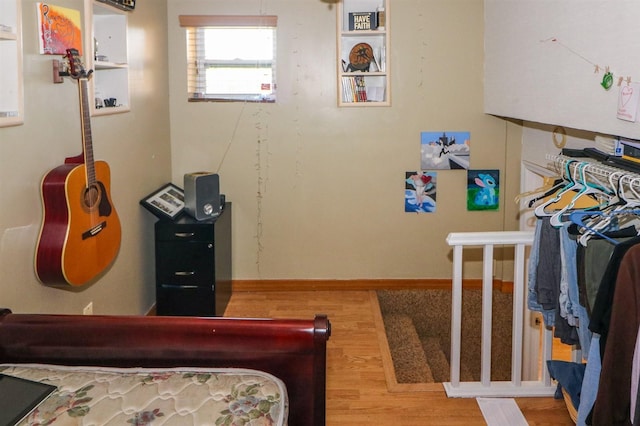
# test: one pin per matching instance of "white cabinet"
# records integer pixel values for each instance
(11, 80)
(363, 53)
(106, 42)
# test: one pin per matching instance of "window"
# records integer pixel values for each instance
(231, 58)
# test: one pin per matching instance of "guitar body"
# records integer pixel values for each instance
(80, 233)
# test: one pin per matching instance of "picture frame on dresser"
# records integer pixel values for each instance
(167, 202)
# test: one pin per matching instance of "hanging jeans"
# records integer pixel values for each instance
(574, 310)
(548, 315)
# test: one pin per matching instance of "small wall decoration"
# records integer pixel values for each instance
(420, 192)
(444, 150)
(483, 189)
(628, 102)
(60, 28)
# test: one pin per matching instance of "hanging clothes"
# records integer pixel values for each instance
(549, 267)
(547, 275)
(612, 404)
(587, 281)
(590, 381)
(600, 320)
(574, 312)
(634, 412)
(592, 261)
(539, 264)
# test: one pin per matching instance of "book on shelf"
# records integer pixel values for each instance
(363, 21)
(354, 89)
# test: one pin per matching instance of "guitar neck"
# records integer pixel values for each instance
(85, 119)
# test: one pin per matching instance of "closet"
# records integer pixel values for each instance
(584, 279)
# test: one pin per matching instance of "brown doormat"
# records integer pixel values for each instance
(416, 330)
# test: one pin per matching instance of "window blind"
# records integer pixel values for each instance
(195, 29)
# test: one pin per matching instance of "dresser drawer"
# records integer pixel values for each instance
(185, 300)
(171, 231)
(185, 263)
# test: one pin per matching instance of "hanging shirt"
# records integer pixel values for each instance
(612, 404)
(602, 306)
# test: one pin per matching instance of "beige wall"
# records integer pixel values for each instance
(135, 144)
(318, 190)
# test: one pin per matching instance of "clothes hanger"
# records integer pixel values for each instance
(578, 217)
(630, 205)
(588, 189)
(550, 183)
(623, 214)
(635, 201)
(618, 199)
(570, 184)
(557, 184)
(581, 187)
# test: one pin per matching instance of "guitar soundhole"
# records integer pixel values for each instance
(91, 197)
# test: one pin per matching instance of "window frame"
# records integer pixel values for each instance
(196, 69)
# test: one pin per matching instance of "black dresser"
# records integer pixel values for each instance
(193, 265)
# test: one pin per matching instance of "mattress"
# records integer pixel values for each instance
(140, 396)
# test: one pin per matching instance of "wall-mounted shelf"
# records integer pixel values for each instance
(11, 80)
(363, 54)
(7, 35)
(107, 41)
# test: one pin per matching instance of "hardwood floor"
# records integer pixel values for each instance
(357, 392)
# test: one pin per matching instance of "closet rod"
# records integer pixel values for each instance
(594, 167)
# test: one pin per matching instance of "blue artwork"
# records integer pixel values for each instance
(444, 150)
(483, 189)
(420, 192)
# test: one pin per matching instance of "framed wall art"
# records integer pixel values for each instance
(166, 202)
(59, 29)
(483, 189)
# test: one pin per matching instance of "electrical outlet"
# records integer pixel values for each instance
(536, 319)
(88, 310)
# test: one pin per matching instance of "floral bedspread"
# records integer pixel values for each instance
(182, 396)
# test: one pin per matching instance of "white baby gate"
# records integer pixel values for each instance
(517, 387)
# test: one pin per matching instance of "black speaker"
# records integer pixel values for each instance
(202, 195)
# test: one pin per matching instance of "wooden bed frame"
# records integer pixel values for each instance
(292, 350)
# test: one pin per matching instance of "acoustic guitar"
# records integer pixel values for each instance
(80, 233)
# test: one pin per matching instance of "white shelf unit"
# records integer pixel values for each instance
(107, 42)
(11, 79)
(357, 86)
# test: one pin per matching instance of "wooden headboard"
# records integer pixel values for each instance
(293, 350)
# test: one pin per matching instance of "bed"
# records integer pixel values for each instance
(291, 350)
